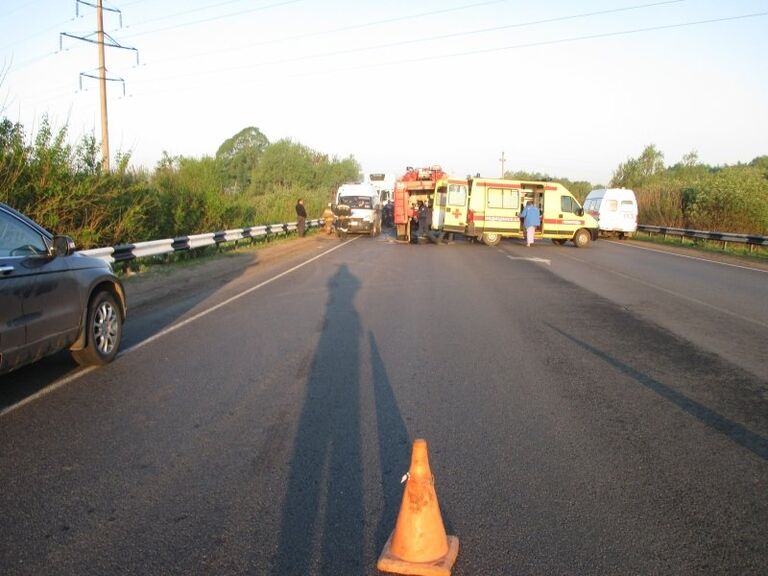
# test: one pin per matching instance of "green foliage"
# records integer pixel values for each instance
(579, 188)
(693, 195)
(64, 188)
(633, 172)
(288, 171)
(239, 155)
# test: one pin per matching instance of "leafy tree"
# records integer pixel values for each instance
(239, 155)
(636, 171)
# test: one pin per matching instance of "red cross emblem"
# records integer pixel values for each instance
(456, 213)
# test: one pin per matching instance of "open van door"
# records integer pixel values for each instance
(456, 206)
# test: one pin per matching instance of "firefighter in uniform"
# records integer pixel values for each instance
(328, 217)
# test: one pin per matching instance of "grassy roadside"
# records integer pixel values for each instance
(756, 253)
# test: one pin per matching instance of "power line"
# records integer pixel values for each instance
(340, 29)
(102, 73)
(603, 35)
(214, 18)
(185, 12)
(421, 40)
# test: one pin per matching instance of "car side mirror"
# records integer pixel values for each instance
(580, 212)
(63, 245)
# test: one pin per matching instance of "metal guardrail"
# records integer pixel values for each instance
(128, 252)
(724, 237)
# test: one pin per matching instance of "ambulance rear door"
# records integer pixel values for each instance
(456, 206)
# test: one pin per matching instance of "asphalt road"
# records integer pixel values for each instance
(598, 411)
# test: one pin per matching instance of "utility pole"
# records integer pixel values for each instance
(102, 89)
(502, 160)
(102, 75)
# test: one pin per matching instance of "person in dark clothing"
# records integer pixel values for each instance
(422, 208)
(301, 216)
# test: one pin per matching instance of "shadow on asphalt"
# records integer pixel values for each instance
(142, 323)
(733, 430)
(324, 497)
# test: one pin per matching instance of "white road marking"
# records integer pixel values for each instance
(671, 292)
(47, 390)
(684, 256)
(543, 260)
(72, 377)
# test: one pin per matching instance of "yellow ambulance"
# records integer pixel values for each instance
(489, 209)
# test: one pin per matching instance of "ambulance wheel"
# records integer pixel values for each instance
(581, 238)
(558, 241)
(491, 238)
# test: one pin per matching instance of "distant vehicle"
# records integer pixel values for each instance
(365, 204)
(615, 210)
(384, 184)
(52, 298)
(489, 209)
(416, 184)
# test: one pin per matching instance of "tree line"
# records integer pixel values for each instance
(688, 194)
(251, 181)
(248, 182)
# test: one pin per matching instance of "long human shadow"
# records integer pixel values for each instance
(736, 432)
(323, 515)
(394, 449)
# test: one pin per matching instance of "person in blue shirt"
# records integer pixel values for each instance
(531, 220)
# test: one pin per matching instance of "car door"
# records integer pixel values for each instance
(41, 306)
(562, 215)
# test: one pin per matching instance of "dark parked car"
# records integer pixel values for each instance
(52, 298)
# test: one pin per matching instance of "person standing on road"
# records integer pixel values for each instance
(301, 216)
(328, 217)
(531, 220)
(422, 209)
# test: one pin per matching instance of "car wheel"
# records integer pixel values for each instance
(581, 238)
(104, 330)
(491, 238)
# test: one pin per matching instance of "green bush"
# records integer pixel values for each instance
(63, 187)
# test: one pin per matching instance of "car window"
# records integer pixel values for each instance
(503, 198)
(457, 195)
(356, 201)
(568, 204)
(18, 239)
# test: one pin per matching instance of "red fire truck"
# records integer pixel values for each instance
(416, 184)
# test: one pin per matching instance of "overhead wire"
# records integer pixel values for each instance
(425, 39)
(185, 12)
(214, 18)
(466, 53)
(339, 29)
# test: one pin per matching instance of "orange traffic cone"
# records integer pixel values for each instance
(418, 545)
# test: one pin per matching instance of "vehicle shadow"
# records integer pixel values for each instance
(324, 497)
(738, 433)
(153, 305)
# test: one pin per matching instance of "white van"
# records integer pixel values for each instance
(364, 201)
(615, 210)
(384, 184)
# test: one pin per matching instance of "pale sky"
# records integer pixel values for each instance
(567, 88)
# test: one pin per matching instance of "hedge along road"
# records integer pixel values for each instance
(568, 433)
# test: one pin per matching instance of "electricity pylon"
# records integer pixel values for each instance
(101, 74)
